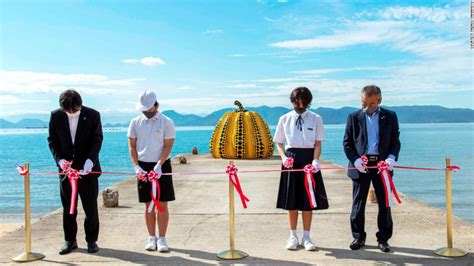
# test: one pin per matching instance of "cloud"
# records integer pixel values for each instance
(185, 88)
(11, 99)
(147, 61)
(121, 110)
(195, 105)
(242, 86)
(10, 114)
(213, 32)
(286, 56)
(431, 14)
(205, 105)
(152, 61)
(290, 79)
(359, 33)
(438, 58)
(23, 82)
(271, 2)
(334, 70)
(237, 55)
(269, 19)
(407, 85)
(301, 61)
(294, 23)
(388, 25)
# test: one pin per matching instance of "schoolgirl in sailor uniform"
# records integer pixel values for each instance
(302, 132)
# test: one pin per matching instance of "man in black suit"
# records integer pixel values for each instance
(75, 134)
(372, 131)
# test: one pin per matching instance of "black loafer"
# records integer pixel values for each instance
(92, 247)
(384, 246)
(357, 244)
(68, 247)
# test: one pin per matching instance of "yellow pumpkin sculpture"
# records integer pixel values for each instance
(241, 134)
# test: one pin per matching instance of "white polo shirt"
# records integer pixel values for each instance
(288, 132)
(151, 134)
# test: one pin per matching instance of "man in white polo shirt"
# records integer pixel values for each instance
(150, 139)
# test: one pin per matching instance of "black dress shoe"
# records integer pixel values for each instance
(384, 246)
(92, 247)
(357, 243)
(68, 247)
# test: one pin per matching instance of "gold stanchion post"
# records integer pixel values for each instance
(232, 253)
(449, 251)
(27, 255)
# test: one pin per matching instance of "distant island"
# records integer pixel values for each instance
(406, 114)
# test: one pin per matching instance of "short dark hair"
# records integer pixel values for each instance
(371, 90)
(303, 94)
(70, 100)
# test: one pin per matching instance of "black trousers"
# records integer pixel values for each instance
(360, 190)
(88, 190)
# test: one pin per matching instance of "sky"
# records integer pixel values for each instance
(200, 56)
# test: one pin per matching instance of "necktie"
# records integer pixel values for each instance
(299, 123)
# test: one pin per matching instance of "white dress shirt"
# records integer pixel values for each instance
(151, 135)
(73, 121)
(289, 132)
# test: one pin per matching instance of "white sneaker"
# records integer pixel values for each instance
(162, 245)
(308, 244)
(292, 243)
(151, 244)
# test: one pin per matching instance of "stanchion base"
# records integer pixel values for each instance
(232, 255)
(23, 257)
(450, 252)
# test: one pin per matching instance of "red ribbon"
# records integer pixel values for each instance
(73, 176)
(364, 159)
(22, 171)
(386, 177)
(141, 177)
(289, 162)
(231, 170)
(153, 178)
(454, 168)
(310, 184)
(66, 165)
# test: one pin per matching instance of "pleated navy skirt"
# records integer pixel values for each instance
(292, 193)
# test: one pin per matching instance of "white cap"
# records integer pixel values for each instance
(146, 101)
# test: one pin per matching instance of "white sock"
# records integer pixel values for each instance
(293, 233)
(305, 234)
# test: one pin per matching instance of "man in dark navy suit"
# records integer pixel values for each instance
(75, 134)
(372, 131)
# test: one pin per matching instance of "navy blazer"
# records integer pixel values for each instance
(355, 137)
(87, 143)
